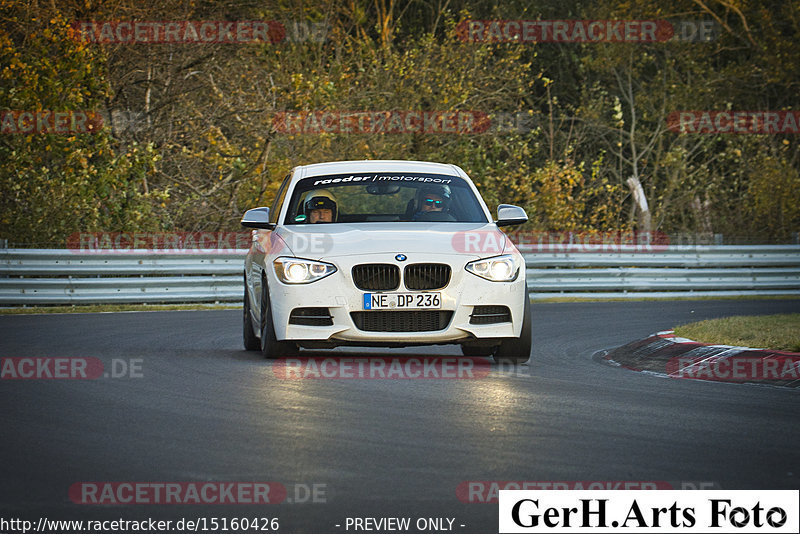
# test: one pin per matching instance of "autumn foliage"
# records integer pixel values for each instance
(191, 133)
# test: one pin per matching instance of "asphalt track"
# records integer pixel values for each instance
(206, 410)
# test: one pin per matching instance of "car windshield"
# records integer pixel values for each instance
(376, 197)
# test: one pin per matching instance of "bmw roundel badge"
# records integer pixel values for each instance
(401, 257)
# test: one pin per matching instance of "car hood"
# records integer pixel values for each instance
(334, 240)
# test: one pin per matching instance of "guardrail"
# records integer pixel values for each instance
(703, 270)
(36, 277)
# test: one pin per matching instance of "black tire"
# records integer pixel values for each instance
(251, 342)
(517, 350)
(270, 346)
(477, 350)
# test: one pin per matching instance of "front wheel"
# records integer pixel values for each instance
(518, 349)
(270, 346)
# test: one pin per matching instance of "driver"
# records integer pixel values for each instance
(320, 207)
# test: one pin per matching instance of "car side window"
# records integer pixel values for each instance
(274, 211)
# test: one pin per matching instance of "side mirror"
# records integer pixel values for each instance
(257, 218)
(508, 215)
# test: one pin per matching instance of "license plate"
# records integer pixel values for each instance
(402, 301)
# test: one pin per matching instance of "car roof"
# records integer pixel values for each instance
(337, 167)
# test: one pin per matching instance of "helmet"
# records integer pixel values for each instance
(321, 199)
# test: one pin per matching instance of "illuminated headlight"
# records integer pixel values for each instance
(497, 269)
(297, 271)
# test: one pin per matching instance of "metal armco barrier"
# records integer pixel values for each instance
(34, 277)
(677, 271)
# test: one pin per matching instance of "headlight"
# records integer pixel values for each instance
(298, 271)
(497, 269)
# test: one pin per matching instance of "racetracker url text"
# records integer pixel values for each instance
(196, 524)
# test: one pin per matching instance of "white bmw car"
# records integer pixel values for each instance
(384, 253)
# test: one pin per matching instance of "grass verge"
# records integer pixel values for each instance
(776, 332)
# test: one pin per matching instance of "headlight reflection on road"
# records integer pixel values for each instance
(493, 403)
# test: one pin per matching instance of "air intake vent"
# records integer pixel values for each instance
(402, 321)
(376, 276)
(424, 276)
(311, 317)
(490, 315)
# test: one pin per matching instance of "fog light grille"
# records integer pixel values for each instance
(490, 315)
(311, 317)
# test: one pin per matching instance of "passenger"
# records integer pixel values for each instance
(431, 200)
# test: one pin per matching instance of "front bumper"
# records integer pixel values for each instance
(339, 294)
